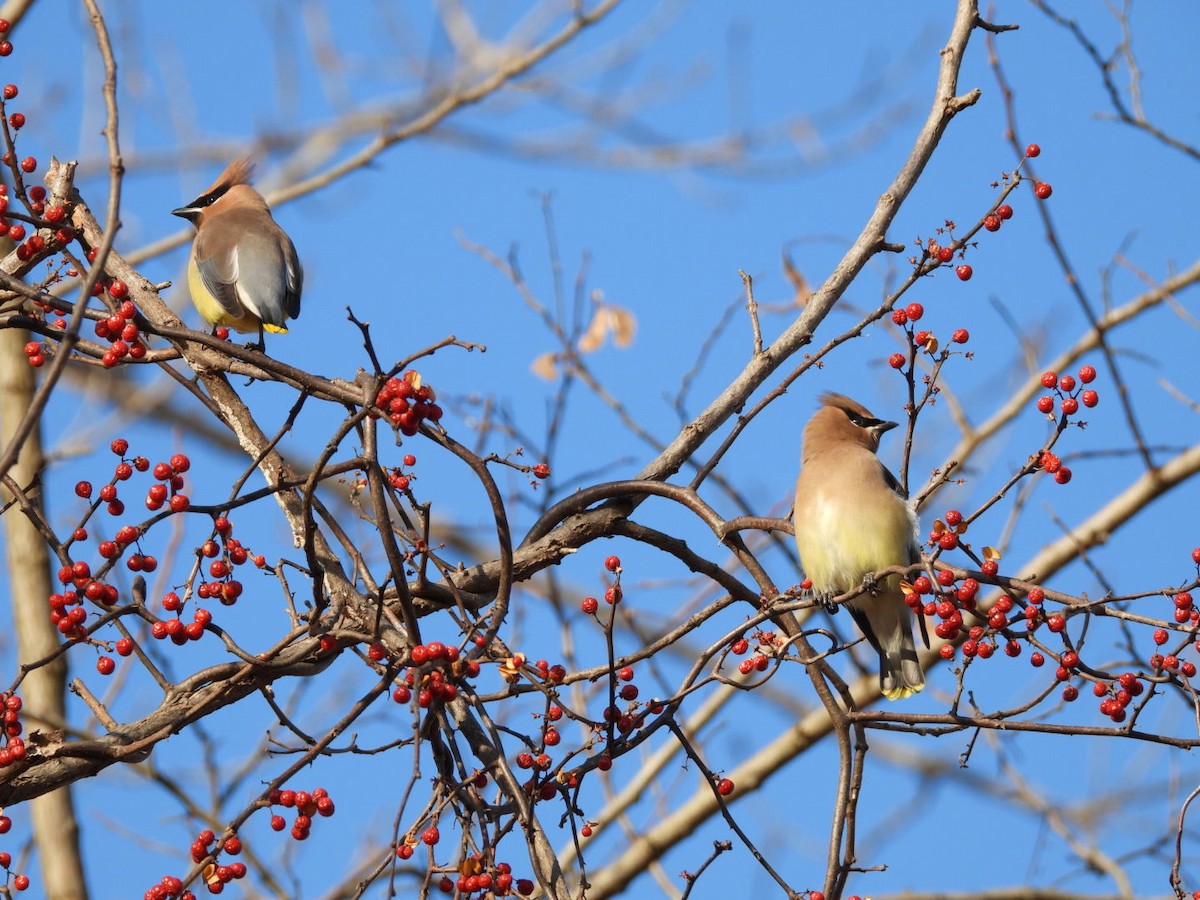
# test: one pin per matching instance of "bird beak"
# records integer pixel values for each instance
(882, 427)
(185, 212)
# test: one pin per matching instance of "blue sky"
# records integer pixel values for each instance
(851, 83)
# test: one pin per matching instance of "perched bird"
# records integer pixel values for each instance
(852, 518)
(243, 272)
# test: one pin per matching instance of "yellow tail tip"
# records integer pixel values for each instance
(275, 329)
(903, 693)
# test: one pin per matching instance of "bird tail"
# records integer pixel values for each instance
(900, 673)
(886, 622)
(275, 329)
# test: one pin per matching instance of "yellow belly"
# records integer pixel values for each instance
(214, 313)
(838, 546)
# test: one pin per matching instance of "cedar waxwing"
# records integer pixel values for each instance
(853, 518)
(243, 272)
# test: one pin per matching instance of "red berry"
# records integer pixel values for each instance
(964, 272)
(431, 836)
(1045, 404)
(945, 254)
(83, 489)
(1090, 398)
(1005, 211)
(16, 120)
(1066, 384)
(29, 164)
(589, 605)
(541, 470)
(914, 311)
(1070, 406)
(613, 563)
(1087, 374)
(1043, 190)
(1033, 150)
(899, 317)
(1050, 379)
(725, 787)
(105, 665)
(896, 360)
(1063, 475)
(991, 223)
(960, 336)
(953, 518)
(179, 503)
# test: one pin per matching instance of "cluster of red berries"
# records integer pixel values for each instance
(767, 642)
(170, 474)
(923, 339)
(19, 882)
(991, 222)
(397, 478)
(217, 876)
(474, 878)
(173, 627)
(169, 888)
(225, 556)
(634, 714)
(945, 533)
(1117, 695)
(407, 402)
(119, 329)
(307, 804)
(436, 667)
(1185, 613)
(66, 609)
(612, 595)
(14, 748)
(1069, 392)
(1052, 465)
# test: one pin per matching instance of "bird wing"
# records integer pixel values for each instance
(217, 264)
(914, 549)
(268, 275)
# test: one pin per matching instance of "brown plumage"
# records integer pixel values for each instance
(852, 519)
(243, 272)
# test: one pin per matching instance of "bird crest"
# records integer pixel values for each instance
(237, 172)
